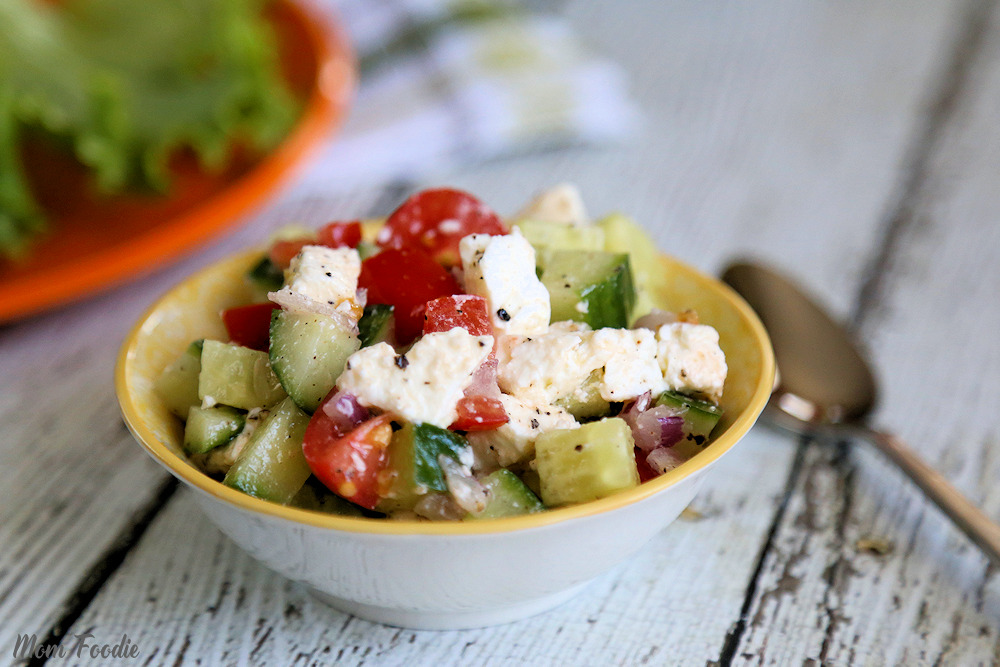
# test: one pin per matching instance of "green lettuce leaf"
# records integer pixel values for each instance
(125, 84)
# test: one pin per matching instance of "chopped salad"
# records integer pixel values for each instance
(454, 366)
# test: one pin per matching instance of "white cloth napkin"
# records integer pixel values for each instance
(445, 84)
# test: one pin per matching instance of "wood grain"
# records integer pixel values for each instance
(934, 598)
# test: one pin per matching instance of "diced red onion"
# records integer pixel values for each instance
(484, 380)
(663, 459)
(439, 507)
(299, 303)
(635, 408)
(658, 427)
(465, 489)
(655, 319)
(345, 411)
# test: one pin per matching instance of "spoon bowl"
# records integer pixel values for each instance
(824, 387)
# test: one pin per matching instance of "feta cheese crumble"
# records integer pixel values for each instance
(543, 369)
(423, 385)
(560, 203)
(514, 442)
(324, 281)
(691, 359)
(501, 269)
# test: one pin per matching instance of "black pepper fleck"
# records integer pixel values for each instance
(579, 448)
(401, 361)
(534, 423)
(503, 315)
(330, 275)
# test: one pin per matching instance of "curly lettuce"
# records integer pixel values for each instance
(125, 84)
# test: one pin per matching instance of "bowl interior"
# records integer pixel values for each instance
(191, 310)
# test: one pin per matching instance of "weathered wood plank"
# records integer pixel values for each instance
(773, 129)
(933, 599)
(72, 477)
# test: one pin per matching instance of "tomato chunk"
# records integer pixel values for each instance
(436, 220)
(461, 310)
(348, 464)
(282, 252)
(406, 278)
(479, 413)
(646, 472)
(340, 234)
(250, 326)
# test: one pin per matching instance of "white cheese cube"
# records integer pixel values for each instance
(543, 369)
(326, 275)
(501, 269)
(514, 442)
(561, 203)
(630, 365)
(422, 386)
(691, 359)
(539, 370)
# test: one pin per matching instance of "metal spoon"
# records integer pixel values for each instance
(825, 388)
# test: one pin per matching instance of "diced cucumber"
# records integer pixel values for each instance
(586, 401)
(560, 236)
(272, 465)
(376, 325)
(413, 469)
(622, 234)
(265, 275)
(208, 428)
(177, 385)
(237, 376)
(508, 496)
(589, 286)
(586, 463)
(316, 497)
(308, 353)
(700, 417)
(366, 249)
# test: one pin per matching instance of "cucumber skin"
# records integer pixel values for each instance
(601, 281)
(208, 428)
(308, 369)
(700, 417)
(610, 302)
(413, 466)
(375, 326)
(272, 465)
(509, 496)
(265, 275)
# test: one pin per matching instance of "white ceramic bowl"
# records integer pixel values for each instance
(436, 575)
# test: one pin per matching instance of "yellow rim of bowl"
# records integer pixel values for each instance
(186, 472)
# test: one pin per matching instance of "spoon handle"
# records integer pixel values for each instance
(969, 518)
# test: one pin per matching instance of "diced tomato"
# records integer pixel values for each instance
(340, 235)
(479, 413)
(436, 220)
(461, 310)
(282, 252)
(250, 326)
(348, 464)
(406, 278)
(646, 472)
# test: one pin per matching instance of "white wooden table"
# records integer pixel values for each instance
(855, 145)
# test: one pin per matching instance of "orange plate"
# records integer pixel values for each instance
(97, 242)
